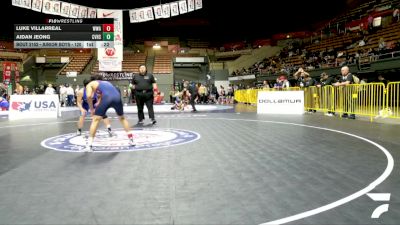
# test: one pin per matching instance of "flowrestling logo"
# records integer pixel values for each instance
(145, 139)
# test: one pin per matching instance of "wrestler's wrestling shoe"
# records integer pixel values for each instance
(110, 134)
(132, 142)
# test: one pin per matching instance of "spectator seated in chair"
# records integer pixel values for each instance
(158, 98)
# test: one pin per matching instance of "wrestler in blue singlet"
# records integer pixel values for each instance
(85, 103)
(110, 97)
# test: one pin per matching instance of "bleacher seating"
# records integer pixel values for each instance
(78, 63)
(336, 42)
(389, 34)
(162, 64)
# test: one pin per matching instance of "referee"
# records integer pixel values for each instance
(145, 86)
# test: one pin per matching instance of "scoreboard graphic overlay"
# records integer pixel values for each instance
(65, 33)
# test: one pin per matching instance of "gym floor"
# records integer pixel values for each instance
(227, 166)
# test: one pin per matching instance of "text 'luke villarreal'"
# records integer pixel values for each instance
(38, 28)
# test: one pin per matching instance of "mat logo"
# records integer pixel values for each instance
(21, 106)
(145, 139)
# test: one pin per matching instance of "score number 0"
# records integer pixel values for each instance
(108, 33)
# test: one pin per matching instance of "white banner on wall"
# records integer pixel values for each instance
(65, 9)
(166, 10)
(140, 15)
(71, 10)
(74, 11)
(83, 11)
(190, 4)
(33, 106)
(158, 12)
(182, 7)
(51, 7)
(280, 102)
(174, 9)
(46, 7)
(92, 13)
(189, 59)
(110, 59)
(22, 3)
(64, 59)
(37, 5)
(110, 65)
(72, 74)
(107, 53)
(133, 16)
(56, 8)
(198, 4)
(149, 14)
(40, 59)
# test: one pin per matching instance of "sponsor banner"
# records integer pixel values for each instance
(280, 102)
(117, 52)
(111, 76)
(6, 73)
(110, 65)
(33, 106)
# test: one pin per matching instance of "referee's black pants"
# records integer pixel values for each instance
(145, 98)
(192, 101)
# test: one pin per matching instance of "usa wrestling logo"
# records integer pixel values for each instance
(145, 139)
